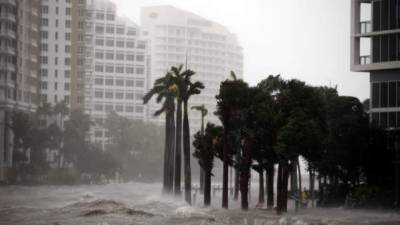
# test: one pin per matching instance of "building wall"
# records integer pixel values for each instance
(179, 37)
(19, 67)
(56, 47)
(117, 67)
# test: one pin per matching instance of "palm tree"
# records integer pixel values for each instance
(203, 110)
(179, 84)
(186, 89)
(164, 88)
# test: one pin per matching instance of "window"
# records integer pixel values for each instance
(44, 72)
(99, 42)
(119, 56)
(129, 83)
(129, 96)
(110, 43)
(120, 43)
(44, 60)
(57, 10)
(99, 55)
(98, 94)
(119, 95)
(109, 29)
(130, 57)
(130, 44)
(140, 70)
(392, 94)
(109, 108)
(56, 47)
(109, 69)
(44, 47)
(44, 34)
(110, 16)
(99, 81)
(100, 16)
(139, 109)
(128, 108)
(119, 69)
(141, 45)
(109, 55)
(119, 108)
(44, 9)
(139, 96)
(375, 95)
(139, 83)
(120, 30)
(45, 22)
(67, 36)
(68, 11)
(67, 48)
(109, 82)
(131, 31)
(119, 82)
(140, 58)
(55, 85)
(99, 68)
(384, 94)
(56, 22)
(129, 70)
(109, 95)
(67, 73)
(99, 29)
(98, 107)
(67, 61)
(66, 86)
(68, 24)
(44, 85)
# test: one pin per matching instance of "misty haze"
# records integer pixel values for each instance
(218, 112)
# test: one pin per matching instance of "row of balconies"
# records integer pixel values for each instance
(7, 50)
(10, 2)
(7, 66)
(8, 16)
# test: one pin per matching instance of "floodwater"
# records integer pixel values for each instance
(143, 204)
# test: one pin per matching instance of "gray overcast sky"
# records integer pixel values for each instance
(304, 39)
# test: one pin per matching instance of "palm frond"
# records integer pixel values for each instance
(233, 75)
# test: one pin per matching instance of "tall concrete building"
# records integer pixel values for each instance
(179, 37)
(19, 67)
(115, 67)
(56, 26)
(375, 48)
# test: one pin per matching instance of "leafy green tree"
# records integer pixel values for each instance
(206, 145)
(166, 91)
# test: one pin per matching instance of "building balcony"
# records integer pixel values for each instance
(365, 59)
(7, 50)
(7, 33)
(10, 2)
(7, 66)
(8, 17)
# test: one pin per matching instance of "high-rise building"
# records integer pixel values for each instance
(115, 67)
(56, 26)
(375, 48)
(178, 37)
(19, 67)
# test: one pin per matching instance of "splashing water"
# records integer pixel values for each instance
(139, 203)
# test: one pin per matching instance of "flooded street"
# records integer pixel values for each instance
(138, 203)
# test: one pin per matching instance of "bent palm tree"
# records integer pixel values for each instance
(164, 88)
(203, 110)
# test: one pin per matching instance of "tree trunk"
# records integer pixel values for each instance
(225, 171)
(202, 173)
(312, 182)
(207, 188)
(279, 206)
(270, 185)
(237, 185)
(166, 153)
(178, 148)
(186, 154)
(244, 176)
(293, 183)
(171, 151)
(261, 187)
(285, 179)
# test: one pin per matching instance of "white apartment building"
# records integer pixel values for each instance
(56, 25)
(115, 67)
(179, 37)
(19, 68)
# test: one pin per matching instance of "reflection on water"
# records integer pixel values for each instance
(138, 203)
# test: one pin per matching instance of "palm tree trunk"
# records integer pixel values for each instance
(270, 185)
(237, 185)
(245, 175)
(225, 171)
(171, 150)
(312, 183)
(178, 148)
(202, 173)
(293, 182)
(285, 179)
(186, 154)
(207, 188)
(300, 182)
(261, 187)
(166, 152)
